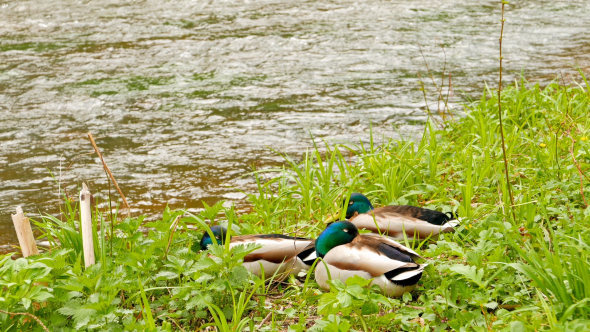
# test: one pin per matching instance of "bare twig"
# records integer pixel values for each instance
(438, 88)
(500, 117)
(264, 320)
(415, 307)
(273, 296)
(110, 174)
(27, 314)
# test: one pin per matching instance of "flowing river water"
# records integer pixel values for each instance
(183, 96)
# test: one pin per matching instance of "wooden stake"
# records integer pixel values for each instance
(22, 226)
(86, 225)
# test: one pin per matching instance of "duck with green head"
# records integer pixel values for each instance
(346, 253)
(279, 255)
(394, 220)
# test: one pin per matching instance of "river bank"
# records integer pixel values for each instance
(506, 268)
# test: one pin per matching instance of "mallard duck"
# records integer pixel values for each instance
(393, 220)
(347, 253)
(280, 254)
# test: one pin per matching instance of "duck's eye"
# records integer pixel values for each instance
(350, 203)
(345, 230)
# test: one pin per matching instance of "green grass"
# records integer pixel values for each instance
(496, 273)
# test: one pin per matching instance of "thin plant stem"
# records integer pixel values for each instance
(175, 323)
(430, 115)
(500, 117)
(360, 315)
(62, 174)
(579, 170)
(557, 159)
(449, 93)
(567, 109)
(111, 213)
(442, 83)
(172, 230)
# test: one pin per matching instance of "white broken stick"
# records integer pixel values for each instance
(22, 226)
(86, 226)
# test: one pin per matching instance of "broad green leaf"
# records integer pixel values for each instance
(517, 326)
(470, 272)
(42, 296)
(166, 275)
(26, 303)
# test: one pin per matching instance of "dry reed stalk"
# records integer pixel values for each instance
(500, 117)
(86, 226)
(485, 316)
(24, 233)
(104, 164)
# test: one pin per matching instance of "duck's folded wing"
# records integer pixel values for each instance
(275, 248)
(394, 224)
(376, 261)
(308, 255)
(392, 243)
(431, 216)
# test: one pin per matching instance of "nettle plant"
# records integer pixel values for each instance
(146, 278)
